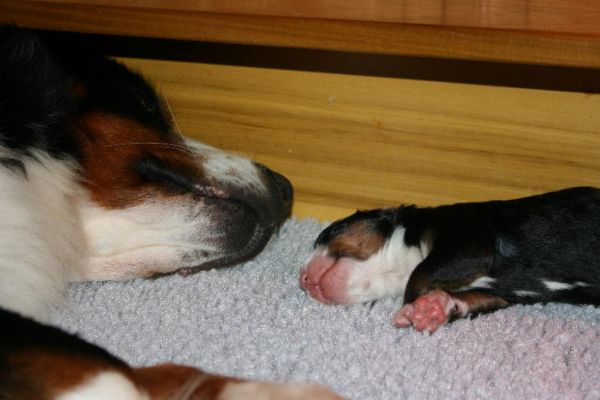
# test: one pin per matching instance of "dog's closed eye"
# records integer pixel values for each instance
(174, 179)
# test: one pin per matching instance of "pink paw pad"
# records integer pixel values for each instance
(427, 313)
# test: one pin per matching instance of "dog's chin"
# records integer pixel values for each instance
(186, 236)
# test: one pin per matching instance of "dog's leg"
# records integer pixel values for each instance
(42, 362)
(169, 381)
(452, 282)
(435, 308)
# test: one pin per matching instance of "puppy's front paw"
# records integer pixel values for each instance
(272, 391)
(427, 313)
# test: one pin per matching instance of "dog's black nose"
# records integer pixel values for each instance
(281, 189)
(284, 186)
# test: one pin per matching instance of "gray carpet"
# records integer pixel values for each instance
(253, 321)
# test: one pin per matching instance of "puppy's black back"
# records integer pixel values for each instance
(536, 249)
(550, 244)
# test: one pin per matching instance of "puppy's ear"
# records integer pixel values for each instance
(358, 236)
(359, 241)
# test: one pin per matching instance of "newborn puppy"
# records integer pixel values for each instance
(463, 259)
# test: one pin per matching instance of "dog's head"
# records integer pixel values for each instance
(365, 256)
(159, 202)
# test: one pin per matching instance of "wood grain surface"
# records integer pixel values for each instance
(564, 16)
(550, 32)
(349, 142)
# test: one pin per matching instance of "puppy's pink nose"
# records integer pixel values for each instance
(304, 280)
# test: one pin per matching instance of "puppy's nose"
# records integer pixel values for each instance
(304, 279)
(281, 189)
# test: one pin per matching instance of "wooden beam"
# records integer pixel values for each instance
(569, 40)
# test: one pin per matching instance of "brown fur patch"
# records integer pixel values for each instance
(480, 302)
(110, 144)
(47, 374)
(170, 381)
(359, 241)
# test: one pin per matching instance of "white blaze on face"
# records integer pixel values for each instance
(227, 168)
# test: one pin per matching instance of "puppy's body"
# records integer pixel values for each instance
(464, 258)
(95, 183)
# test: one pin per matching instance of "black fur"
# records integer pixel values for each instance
(519, 243)
(37, 87)
(553, 236)
(45, 87)
(35, 106)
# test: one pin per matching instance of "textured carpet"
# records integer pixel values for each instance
(253, 321)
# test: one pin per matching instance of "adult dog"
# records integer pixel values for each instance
(96, 184)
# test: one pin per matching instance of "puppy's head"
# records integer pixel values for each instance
(159, 202)
(363, 257)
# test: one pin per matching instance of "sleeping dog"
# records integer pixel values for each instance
(463, 259)
(97, 184)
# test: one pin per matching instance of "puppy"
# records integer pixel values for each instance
(463, 259)
(97, 184)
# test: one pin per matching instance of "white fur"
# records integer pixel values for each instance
(483, 282)
(227, 168)
(554, 285)
(145, 239)
(40, 237)
(525, 293)
(386, 272)
(107, 385)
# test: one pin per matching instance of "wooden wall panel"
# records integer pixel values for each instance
(350, 142)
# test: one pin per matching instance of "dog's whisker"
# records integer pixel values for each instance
(177, 129)
(160, 144)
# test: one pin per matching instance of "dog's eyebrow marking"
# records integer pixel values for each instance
(175, 124)
(554, 285)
